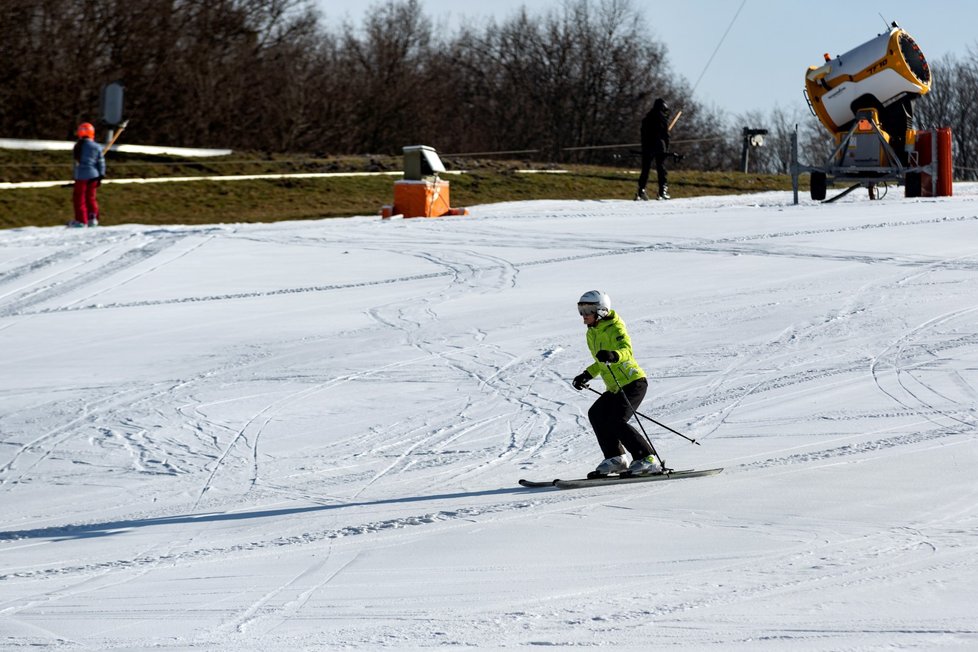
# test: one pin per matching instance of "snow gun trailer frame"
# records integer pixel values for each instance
(864, 158)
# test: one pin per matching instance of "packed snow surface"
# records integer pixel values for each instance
(308, 435)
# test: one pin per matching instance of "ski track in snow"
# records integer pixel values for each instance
(235, 495)
(490, 264)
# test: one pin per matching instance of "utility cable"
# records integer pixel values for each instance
(717, 49)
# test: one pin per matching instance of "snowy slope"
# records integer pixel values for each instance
(308, 435)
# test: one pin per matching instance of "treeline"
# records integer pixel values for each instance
(268, 75)
(953, 101)
(271, 75)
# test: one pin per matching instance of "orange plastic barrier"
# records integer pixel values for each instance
(945, 168)
(421, 199)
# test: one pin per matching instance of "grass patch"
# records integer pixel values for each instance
(271, 200)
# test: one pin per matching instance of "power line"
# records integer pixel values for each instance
(634, 145)
(717, 49)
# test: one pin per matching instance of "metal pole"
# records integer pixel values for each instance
(744, 152)
(794, 163)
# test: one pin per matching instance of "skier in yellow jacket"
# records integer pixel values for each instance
(608, 341)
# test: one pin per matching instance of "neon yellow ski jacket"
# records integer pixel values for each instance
(610, 334)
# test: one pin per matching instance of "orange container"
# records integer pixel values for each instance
(421, 199)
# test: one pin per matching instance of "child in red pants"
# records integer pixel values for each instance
(88, 172)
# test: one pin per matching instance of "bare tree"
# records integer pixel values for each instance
(951, 103)
(265, 75)
(385, 77)
(579, 75)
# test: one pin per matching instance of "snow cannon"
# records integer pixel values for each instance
(883, 71)
(865, 99)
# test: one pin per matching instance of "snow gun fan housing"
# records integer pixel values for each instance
(875, 75)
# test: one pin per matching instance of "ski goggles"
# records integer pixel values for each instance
(587, 308)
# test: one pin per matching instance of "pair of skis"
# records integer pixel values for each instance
(620, 479)
(595, 480)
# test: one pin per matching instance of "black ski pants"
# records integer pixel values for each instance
(648, 157)
(609, 417)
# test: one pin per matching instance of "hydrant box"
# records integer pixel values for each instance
(421, 193)
(421, 198)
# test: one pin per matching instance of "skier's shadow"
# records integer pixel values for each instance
(69, 532)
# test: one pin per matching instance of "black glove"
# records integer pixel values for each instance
(580, 380)
(606, 356)
(98, 182)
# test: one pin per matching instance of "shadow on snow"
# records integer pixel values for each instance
(68, 532)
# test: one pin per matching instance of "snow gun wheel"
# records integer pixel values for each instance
(818, 186)
(912, 184)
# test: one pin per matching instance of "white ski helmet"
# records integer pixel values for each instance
(594, 302)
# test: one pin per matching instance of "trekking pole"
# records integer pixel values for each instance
(674, 120)
(122, 127)
(661, 425)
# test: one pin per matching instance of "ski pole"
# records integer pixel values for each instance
(661, 425)
(635, 414)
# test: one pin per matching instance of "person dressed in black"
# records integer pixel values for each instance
(655, 146)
